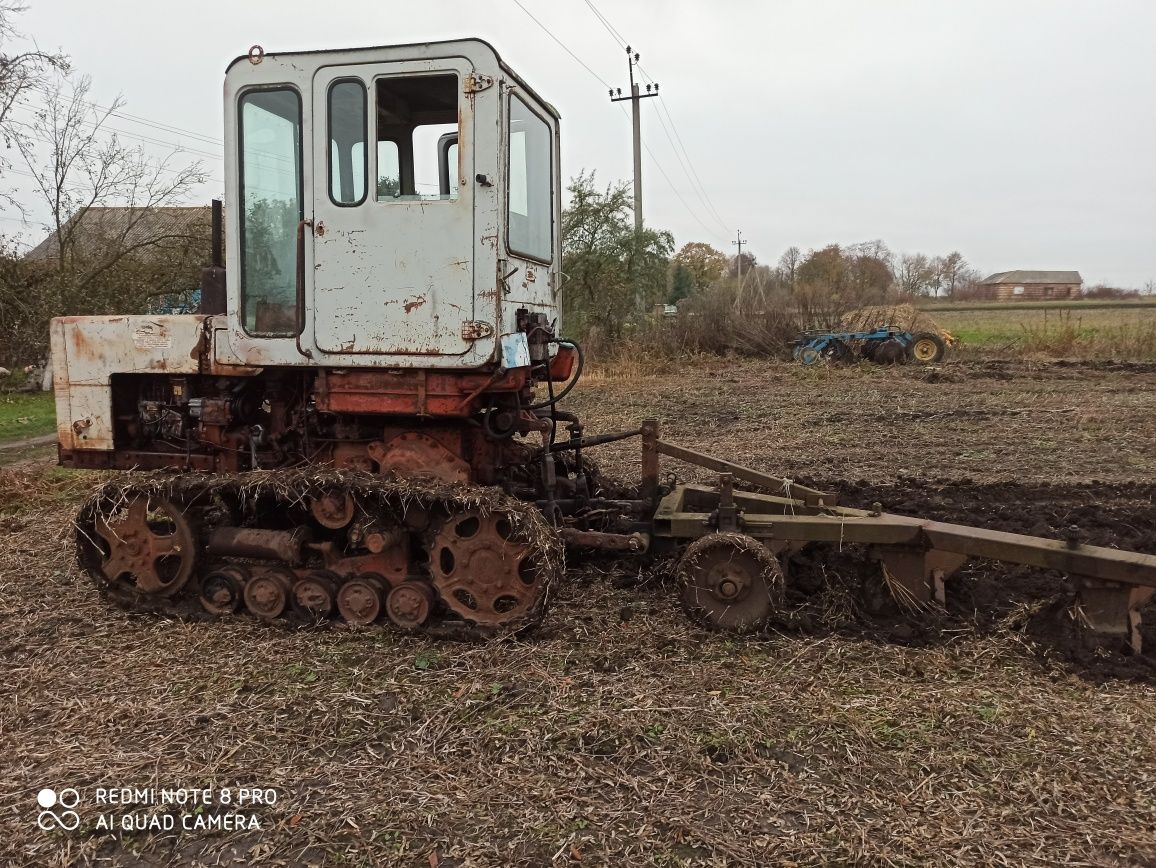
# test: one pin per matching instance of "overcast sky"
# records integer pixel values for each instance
(1020, 132)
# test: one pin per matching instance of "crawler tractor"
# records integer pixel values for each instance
(364, 420)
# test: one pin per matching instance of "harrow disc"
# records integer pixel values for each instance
(730, 582)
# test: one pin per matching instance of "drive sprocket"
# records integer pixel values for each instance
(487, 569)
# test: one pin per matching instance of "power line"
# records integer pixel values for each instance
(175, 146)
(605, 84)
(139, 119)
(688, 171)
(696, 181)
(674, 189)
(561, 43)
(683, 157)
(97, 128)
(614, 34)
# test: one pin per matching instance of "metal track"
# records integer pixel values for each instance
(406, 515)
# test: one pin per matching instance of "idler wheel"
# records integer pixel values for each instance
(223, 590)
(315, 596)
(267, 593)
(147, 543)
(409, 604)
(333, 509)
(361, 599)
(730, 582)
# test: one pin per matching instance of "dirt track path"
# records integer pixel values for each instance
(27, 442)
(29, 451)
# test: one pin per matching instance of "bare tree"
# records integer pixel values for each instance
(949, 272)
(789, 265)
(113, 244)
(85, 166)
(916, 274)
(22, 72)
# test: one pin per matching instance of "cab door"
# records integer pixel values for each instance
(393, 247)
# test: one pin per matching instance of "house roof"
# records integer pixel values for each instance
(1030, 277)
(124, 227)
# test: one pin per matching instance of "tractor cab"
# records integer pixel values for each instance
(386, 207)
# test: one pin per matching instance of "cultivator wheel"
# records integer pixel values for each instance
(928, 348)
(145, 544)
(730, 582)
(809, 356)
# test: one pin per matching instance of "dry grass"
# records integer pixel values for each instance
(1097, 332)
(619, 734)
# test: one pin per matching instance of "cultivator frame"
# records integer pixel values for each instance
(917, 556)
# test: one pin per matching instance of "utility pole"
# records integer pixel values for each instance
(739, 261)
(739, 258)
(634, 97)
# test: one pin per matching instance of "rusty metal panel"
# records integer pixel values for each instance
(394, 276)
(87, 351)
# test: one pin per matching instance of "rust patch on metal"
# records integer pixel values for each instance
(476, 330)
(414, 304)
(416, 455)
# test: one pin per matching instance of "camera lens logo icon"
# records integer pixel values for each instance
(57, 810)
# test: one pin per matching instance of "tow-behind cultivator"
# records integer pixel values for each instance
(363, 421)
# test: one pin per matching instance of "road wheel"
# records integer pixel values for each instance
(928, 348)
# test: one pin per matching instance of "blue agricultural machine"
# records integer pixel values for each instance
(885, 345)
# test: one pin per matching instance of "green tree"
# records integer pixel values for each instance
(681, 283)
(826, 268)
(388, 187)
(614, 274)
(705, 263)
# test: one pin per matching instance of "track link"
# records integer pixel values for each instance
(305, 535)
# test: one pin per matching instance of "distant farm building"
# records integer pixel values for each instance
(1031, 285)
(114, 231)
